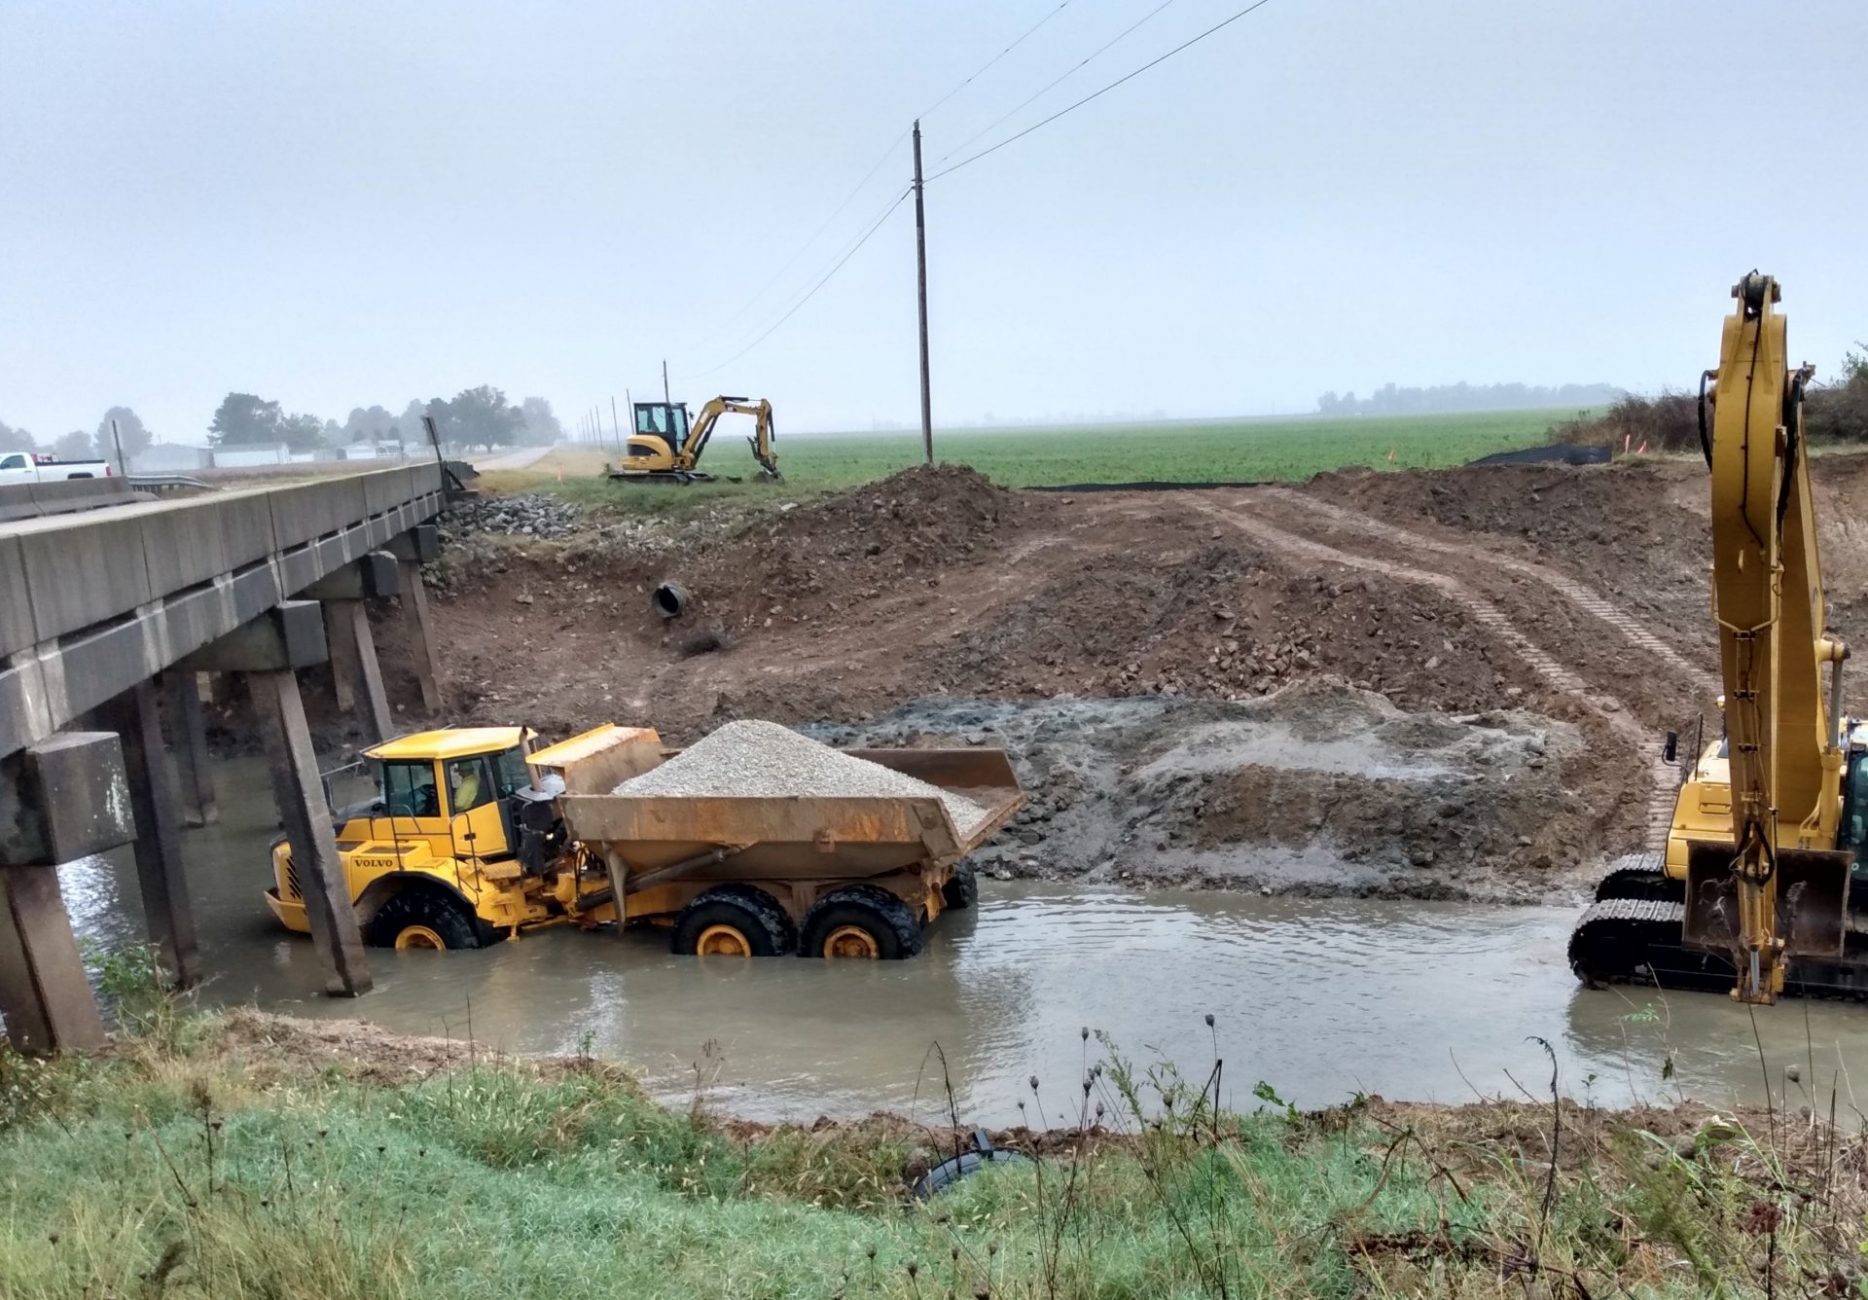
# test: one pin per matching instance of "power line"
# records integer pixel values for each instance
(838, 266)
(1227, 22)
(1049, 85)
(816, 235)
(995, 58)
(838, 211)
(869, 175)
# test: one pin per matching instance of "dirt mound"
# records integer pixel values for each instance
(1220, 619)
(822, 557)
(1315, 790)
(1636, 528)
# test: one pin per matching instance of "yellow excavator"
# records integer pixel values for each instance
(1763, 887)
(666, 446)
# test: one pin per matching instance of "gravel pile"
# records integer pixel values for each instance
(765, 760)
(532, 515)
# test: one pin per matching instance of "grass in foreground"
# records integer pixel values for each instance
(245, 1156)
(1188, 451)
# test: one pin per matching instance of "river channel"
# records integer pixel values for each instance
(1319, 998)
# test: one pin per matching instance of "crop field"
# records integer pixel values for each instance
(1202, 451)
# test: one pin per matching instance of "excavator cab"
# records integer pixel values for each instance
(657, 444)
(665, 421)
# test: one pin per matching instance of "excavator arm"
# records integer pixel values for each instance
(762, 442)
(1778, 889)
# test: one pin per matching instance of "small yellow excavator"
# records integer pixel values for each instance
(666, 446)
(1763, 888)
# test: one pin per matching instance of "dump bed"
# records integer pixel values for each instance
(801, 837)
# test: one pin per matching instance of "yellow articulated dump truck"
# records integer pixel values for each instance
(754, 842)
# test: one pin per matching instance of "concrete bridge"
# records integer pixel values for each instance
(108, 619)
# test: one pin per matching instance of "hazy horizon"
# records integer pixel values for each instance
(336, 205)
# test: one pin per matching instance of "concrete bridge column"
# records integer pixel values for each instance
(62, 799)
(267, 653)
(354, 667)
(193, 767)
(412, 550)
(155, 803)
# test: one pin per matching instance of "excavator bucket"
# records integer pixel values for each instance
(1812, 901)
(768, 465)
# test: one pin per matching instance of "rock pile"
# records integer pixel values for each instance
(532, 515)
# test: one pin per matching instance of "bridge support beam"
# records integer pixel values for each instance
(267, 654)
(60, 800)
(350, 628)
(413, 549)
(355, 672)
(193, 767)
(155, 803)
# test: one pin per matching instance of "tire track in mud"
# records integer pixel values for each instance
(1579, 594)
(1488, 616)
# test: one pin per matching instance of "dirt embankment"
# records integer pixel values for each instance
(1556, 601)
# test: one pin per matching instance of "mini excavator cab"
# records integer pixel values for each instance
(661, 430)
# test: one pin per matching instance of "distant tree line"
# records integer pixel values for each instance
(1440, 398)
(77, 444)
(474, 417)
(1836, 411)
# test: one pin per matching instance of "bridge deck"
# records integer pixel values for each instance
(92, 603)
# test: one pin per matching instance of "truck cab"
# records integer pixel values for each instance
(430, 860)
(30, 467)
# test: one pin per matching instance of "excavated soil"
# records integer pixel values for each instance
(1319, 789)
(1100, 634)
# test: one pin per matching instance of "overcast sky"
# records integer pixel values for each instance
(333, 204)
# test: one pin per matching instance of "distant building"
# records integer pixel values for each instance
(170, 458)
(247, 456)
(371, 451)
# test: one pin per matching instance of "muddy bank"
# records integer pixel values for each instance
(1318, 790)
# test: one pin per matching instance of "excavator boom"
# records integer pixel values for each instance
(1759, 865)
(1778, 889)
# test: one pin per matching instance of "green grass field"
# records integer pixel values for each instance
(1204, 451)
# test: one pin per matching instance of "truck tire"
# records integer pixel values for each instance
(423, 918)
(733, 921)
(860, 922)
(962, 888)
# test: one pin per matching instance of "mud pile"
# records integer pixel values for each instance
(1318, 790)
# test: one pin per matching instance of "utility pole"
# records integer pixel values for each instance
(122, 466)
(921, 290)
(616, 425)
(665, 397)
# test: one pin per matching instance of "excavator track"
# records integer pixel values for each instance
(1631, 935)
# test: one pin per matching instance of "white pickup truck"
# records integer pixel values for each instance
(28, 467)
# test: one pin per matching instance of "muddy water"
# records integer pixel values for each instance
(1426, 1001)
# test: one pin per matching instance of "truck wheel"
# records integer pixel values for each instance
(962, 888)
(733, 921)
(417, 918)
(863, 923)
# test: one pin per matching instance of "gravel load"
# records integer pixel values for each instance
(764, 760)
